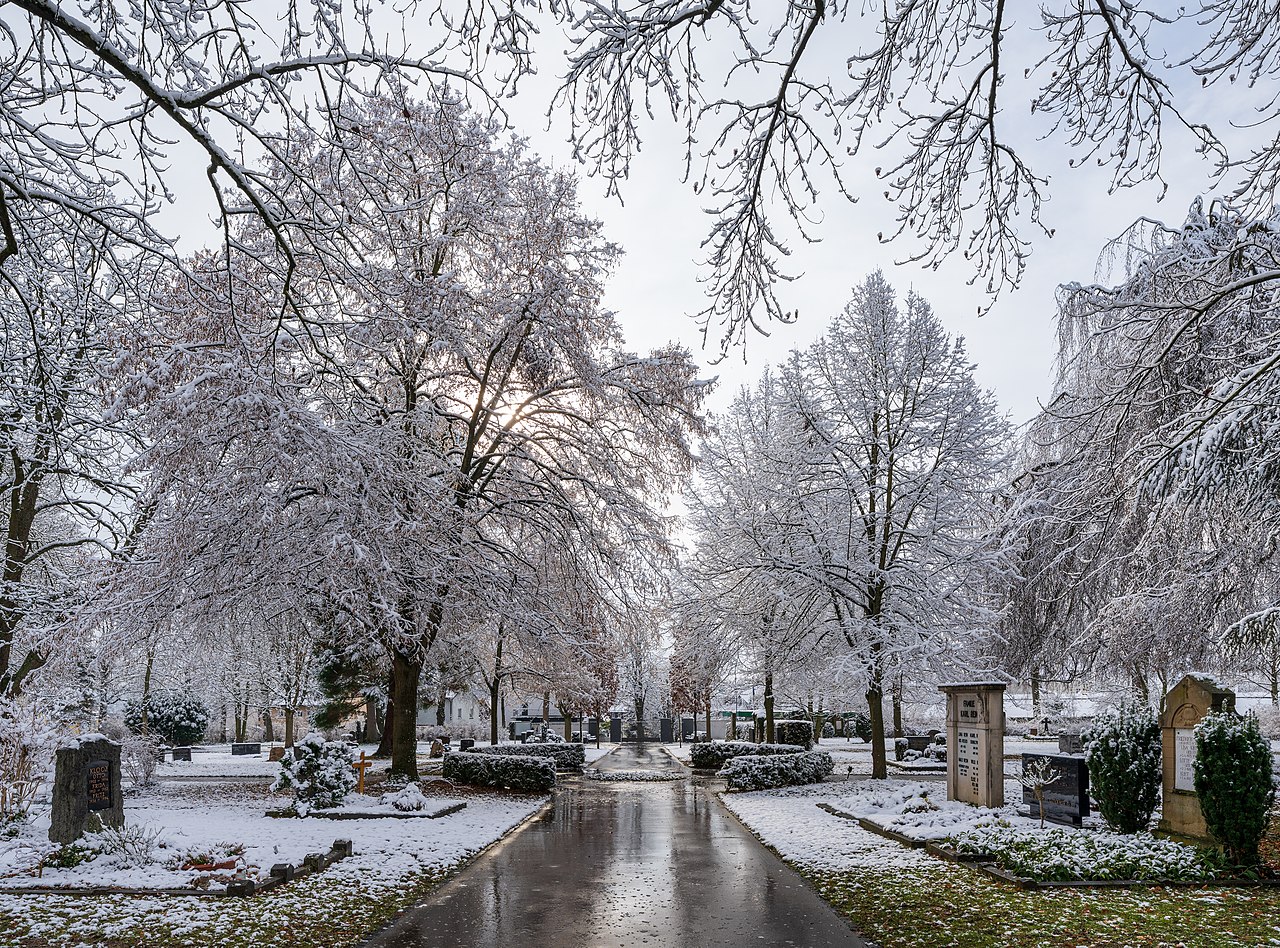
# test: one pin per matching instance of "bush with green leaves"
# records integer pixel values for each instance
(1233, 782)
(799, 733)
(507, 771)
(828, 730)
(1123, 752)
(752, 772)
(712, 755)
(319, 772)
(179, 718)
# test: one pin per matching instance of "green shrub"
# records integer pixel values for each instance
(178, 718)
(1233, 782)
(508, 771)
(712, 755)
(776, 770)
(799, 733)
(319, 772)
(1123, 753)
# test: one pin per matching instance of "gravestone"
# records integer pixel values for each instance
(466, 744)
(437, 748)
(1066, 800)
(246, 750)
(918, 742)
(975, 742)
(688, 727)
(1184, 706)
(182, 753)
(615, 728)
(275, 754)
(667, 730)
(593, 728)
(1070, 743)
(86, 789)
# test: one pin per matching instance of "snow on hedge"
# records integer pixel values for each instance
(776, 770)
(512, 772)
(566, 756)
(712, 755)
(633, 776)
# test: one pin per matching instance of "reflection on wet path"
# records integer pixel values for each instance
(660, 865)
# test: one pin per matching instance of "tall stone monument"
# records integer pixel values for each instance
(975, 742)
(1184, 706)
(86, 788)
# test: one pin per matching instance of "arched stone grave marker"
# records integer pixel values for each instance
(1184, 707)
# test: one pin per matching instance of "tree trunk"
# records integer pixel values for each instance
(768, 708)
(404, 745)
(897, 706)
(144, 725)
(440, 700)
(1035, 696)
(875, 705)
(1275, 686)
(288, 726)
(546, 708)
(388, 721)
(268, 727)
(372, 729)
(708, 717)
(495, 691)
(639, 703)
(568, 722)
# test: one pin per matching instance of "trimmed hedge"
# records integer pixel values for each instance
(781, 770)
(565, 756)
(712, 755)
(508, 771)
(799, 733)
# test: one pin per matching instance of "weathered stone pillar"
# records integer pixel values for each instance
(975, 742)
(86, 788)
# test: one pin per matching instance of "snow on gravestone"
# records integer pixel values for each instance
(86, 788)
(975, 742)
(1185, 705)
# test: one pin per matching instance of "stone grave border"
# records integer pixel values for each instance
(285, 814)
(281, 873)
(983, 863)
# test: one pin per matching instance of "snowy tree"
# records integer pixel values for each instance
(932, 87)
(877, 456)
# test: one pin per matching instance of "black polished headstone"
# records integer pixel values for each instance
(182, 753)
(615, 728)
(667, 730)
(1066, 800)
(244, 750)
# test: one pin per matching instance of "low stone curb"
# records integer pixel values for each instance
(281, 873)
(871, 827)
(393, 815)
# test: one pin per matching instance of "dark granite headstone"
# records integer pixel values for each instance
(667, 730)
(593, 728)
(466, 744)
(688, 727)
(919, 742)
(86, 789)
(615, 728)
(182, 753)
(1066, 800)
(246, 750)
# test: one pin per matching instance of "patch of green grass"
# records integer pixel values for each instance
(333, 913)
(953, 906)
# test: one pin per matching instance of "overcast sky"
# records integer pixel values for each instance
(661, 225)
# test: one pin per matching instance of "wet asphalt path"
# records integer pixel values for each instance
(640, 865)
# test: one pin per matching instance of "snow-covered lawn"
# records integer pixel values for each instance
(187, 821)
(394, 861)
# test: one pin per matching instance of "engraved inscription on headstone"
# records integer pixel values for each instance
(1184, 757)
(968, 765)
(98, 785)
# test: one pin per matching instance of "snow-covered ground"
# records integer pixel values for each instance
(189, 820)
(790, 821)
